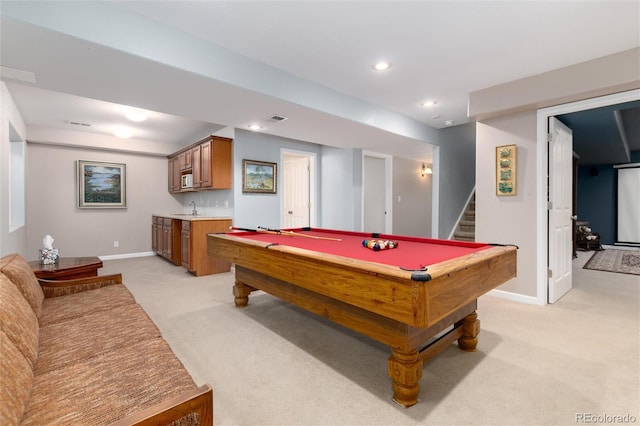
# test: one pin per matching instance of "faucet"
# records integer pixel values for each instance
(194, 212)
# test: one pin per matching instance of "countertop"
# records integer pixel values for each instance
(191, 218)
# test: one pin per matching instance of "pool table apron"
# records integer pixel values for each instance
(379, 301)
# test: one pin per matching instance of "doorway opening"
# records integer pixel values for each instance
(545, 245)
(299, 189)
(377, 192)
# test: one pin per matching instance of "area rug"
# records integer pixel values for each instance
(622, 261)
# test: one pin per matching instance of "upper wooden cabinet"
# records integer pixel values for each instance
(208, 160)
(174, 174)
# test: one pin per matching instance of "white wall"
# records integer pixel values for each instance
(52, 206)
(341, 190)
(412, 199)
(11, 241)
(509, 219)
(253, 210)
(508, 115)
(456, 174)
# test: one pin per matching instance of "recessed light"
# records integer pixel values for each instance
(382, 66)
(448, 123)
(136, 115)
(254, 127)
(428, 104)
(123, 133)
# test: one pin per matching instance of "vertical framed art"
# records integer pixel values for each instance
(101, 185)
(506, 170)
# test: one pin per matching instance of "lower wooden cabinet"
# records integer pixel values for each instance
(184, 243)
(194, 246)
(163, 238)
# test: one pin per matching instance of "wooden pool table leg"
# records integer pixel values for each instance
(405, 370)
(470, 329)
(241, 292)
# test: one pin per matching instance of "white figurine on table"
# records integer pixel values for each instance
(48, 254)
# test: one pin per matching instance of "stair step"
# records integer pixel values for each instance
(463, 234)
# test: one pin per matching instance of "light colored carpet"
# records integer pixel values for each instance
(274, 364)
(615, 260)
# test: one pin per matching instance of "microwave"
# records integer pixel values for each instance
(186, 181)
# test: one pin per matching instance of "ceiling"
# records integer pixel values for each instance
(198, 66)
(605, 135)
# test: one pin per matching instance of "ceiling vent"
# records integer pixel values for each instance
(76, 123)
(277, 118)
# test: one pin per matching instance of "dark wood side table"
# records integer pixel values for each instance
(67, 268)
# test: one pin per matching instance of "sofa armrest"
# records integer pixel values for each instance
(176, 410)
(52, 288)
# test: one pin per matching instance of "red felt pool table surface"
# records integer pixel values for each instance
(412, 253)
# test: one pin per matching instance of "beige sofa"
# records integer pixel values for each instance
(83, 352)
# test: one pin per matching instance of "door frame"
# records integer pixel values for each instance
(313, 182)
(542, 157)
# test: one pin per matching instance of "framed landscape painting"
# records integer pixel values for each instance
(101, 185)
(259, 177)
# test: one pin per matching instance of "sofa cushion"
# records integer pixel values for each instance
(108, 387)
(82, 338)
(20, 273)
(58, 309)
(18, 321)
(16, 376)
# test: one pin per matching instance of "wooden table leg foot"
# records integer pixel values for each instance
(405, 370)
(470, 330)
(241, 292)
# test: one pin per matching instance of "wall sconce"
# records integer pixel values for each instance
(425, 170)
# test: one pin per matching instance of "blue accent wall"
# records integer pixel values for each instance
(597, 187)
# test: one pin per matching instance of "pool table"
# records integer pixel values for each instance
(417, 298)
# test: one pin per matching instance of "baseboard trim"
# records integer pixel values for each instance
(127, 255)
(623, 246)
(521, 298)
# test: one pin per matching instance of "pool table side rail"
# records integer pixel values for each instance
(464, 279)
(380, 288)
(385, 290)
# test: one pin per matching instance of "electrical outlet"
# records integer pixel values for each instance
(116, 243)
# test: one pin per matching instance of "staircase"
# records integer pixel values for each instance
(466, 230)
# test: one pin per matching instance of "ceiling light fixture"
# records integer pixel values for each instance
(123, 133)
(427, 104)
(254, 127)
(382, 66)
(448, 123)
(136, 115)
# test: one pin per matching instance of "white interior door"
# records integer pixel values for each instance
(374, 194)
(560, 209)
(296, 191)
